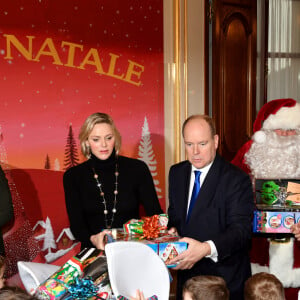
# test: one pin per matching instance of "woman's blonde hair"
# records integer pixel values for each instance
(88, 126)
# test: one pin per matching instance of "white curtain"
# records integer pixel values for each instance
(284, 50)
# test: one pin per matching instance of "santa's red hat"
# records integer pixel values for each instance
(275, 114)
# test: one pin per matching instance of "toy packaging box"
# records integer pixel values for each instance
(277, 193)
(274, 221)
(277, 203)
(165, 245)
(168, 251)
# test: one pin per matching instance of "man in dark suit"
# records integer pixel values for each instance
(218, 229)
(6, 206)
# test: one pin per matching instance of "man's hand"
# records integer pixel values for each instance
(196, 251)
(99, 239)
(295, 229)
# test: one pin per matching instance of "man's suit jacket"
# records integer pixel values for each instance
(222, 213)
(6, 206)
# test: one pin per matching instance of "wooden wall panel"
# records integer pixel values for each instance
(234, 53)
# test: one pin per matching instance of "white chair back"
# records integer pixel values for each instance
(133, 266)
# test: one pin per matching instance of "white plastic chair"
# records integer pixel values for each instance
(134, 265)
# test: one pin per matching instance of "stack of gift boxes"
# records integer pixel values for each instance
(277, 205)
(152, 231)
(85, 276)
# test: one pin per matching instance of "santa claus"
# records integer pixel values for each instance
(274, 152)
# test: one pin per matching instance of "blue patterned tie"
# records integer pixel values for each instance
(195, 193)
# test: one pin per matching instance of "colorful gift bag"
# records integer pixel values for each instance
(84, 276)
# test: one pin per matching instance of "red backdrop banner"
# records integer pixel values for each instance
(63, 60)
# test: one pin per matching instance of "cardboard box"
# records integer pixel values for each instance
(274, 221)
(166, 246)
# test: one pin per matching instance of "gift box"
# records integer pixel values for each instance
(147, 226)
(139, 229)
(166, 246)
(84, 276)
(168, 250)
(151, 231)
(56, 286)
(274, 221)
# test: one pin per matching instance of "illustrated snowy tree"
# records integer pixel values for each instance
(147, 155)
(56, 164)
(71, 154)
(47, 163)
(49, 240)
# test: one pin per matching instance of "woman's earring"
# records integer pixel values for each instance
(88, 148)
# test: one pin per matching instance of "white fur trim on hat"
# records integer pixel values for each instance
(259, 137)
(285, 118)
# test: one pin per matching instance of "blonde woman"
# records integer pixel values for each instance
(107, 189)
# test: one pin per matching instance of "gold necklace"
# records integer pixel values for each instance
(102, 195)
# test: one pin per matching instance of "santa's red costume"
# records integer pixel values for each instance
(274, 152)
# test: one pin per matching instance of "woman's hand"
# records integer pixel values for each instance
(99, 239)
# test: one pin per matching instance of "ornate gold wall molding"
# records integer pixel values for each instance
(181, 73)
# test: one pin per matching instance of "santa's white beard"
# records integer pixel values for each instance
(277, 157)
